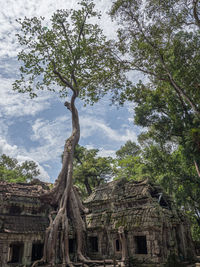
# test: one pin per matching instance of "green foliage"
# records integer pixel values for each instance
(90, 170)
(68, 54)
(159, 46)
(12, 171)
(128, 149)
(128, 163)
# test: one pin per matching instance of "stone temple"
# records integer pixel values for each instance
(127, 220)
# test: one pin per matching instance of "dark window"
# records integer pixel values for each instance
(93, 243)
(118, 246)
(37, 251)
(71, 245)
(163, 203)
(14, 210)
(141, 244)
(161, 199)
(16, 253)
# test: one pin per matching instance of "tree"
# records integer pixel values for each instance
(128, 149)
(13, 171)
(90, 170)
(128, 163)
(73, 58)
(161, 39)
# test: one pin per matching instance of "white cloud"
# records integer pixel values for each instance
(106, 153)
(6, 148)
(51, 135)
(92, 125)
(103, 152)
(16, 104)
(14, 9)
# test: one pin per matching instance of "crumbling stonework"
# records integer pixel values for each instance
(130, 221)
(23, 220)
(153, 227)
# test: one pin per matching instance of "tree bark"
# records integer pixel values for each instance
(195, 12)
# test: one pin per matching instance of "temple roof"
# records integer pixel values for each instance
(22, 189)
(124, 189)
(132, 204)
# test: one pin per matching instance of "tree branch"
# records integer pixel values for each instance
(197, 168)
(82, 28)
(195, 12)
(177, 88)
(59, 75)
(71, 51)
(150, 73)
(180, 91)
(67, 39)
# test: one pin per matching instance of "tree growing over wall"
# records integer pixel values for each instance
(73, 58)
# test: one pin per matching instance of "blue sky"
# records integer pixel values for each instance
(37, 129)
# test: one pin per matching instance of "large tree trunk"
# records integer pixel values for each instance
(65, 198)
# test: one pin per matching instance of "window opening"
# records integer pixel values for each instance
(14, 210)
(141, 244)
(37, 251)
(16, 253)
(118, 246)
(71, 245)
(93, 241)
(161, 199)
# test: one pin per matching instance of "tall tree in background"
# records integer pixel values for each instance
(130, 148)
(161, 40)
(91, 170)
(73, 58)
(128, 162)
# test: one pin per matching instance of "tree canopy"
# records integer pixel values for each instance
(162, 41)
(69, 54)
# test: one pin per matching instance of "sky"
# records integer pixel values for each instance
(36, 129)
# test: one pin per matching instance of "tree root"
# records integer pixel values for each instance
(35, 264)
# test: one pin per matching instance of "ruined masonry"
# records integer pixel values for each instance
(133, 220)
